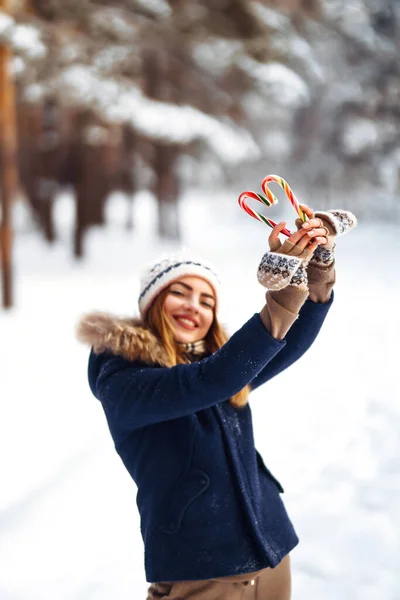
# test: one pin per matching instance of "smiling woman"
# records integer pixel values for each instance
(175, 388)
(189, 307)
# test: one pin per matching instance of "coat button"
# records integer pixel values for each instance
(203, 481)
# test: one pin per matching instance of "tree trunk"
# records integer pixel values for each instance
(128, 179)
(157, 85)
(166, 191)
(8, 169)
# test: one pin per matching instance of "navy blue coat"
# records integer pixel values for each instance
(209, 506)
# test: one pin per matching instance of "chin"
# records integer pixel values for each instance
(186, 338)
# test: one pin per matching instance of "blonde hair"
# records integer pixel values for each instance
(156, 320)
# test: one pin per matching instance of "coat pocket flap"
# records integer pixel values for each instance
(191, 486)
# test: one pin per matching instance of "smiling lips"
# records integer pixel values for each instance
(186, 322)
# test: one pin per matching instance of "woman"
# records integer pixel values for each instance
(175, 390)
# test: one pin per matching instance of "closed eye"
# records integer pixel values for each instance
(207, 305)
(204, 303)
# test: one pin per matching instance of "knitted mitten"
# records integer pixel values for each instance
(338, 222)
(285, 264)
(321, 268)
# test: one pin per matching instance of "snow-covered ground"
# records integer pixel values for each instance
(328, 428)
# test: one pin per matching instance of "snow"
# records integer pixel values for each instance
(389, 168)
(6, 25)
(354, 20)
(158, 8)
(112, 57)
(328, 427)
(114, 23)
(359, 134)
(34, 92)
(158, 120)
(277, 143)
(302, 53)
(277, 82)
(340, 10)
(217, 55)
(274, 19)
(18, 65)
(286, 43)
(26, 40)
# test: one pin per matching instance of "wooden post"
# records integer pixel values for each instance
(8, 165)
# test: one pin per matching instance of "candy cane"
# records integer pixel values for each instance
(270, 200)
(242, 202)
(286, 188)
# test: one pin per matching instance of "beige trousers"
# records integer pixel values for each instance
(268, 584)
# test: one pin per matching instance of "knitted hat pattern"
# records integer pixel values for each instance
(156, 278)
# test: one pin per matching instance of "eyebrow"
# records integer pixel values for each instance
(188, 287)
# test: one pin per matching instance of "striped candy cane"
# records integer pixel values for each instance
(269, 200)
(286, 188)
(256, 215)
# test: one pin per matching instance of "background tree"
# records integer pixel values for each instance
(309, 87)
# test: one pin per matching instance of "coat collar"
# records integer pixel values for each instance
(126, 337)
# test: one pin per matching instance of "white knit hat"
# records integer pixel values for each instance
(157, 277)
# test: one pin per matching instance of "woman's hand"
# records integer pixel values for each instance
(305, 240)
(302, 241)
(276, 271)
(315, 226)
(336, 222)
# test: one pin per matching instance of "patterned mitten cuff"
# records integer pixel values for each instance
(277, 271)
(323, 257)
(338, 222)
(300, 278)
(341, 221)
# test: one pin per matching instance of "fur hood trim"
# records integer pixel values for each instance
(125, 337)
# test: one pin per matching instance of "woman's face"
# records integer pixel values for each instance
(189, 307)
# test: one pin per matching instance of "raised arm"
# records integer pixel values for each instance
(299, 339)
(134, 395)
(320, 276)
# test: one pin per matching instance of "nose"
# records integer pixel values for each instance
(193, 303)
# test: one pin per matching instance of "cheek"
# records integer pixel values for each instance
(208, 321)
(171, 303)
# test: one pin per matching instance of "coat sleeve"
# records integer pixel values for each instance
(134, 395)
(299, 339)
